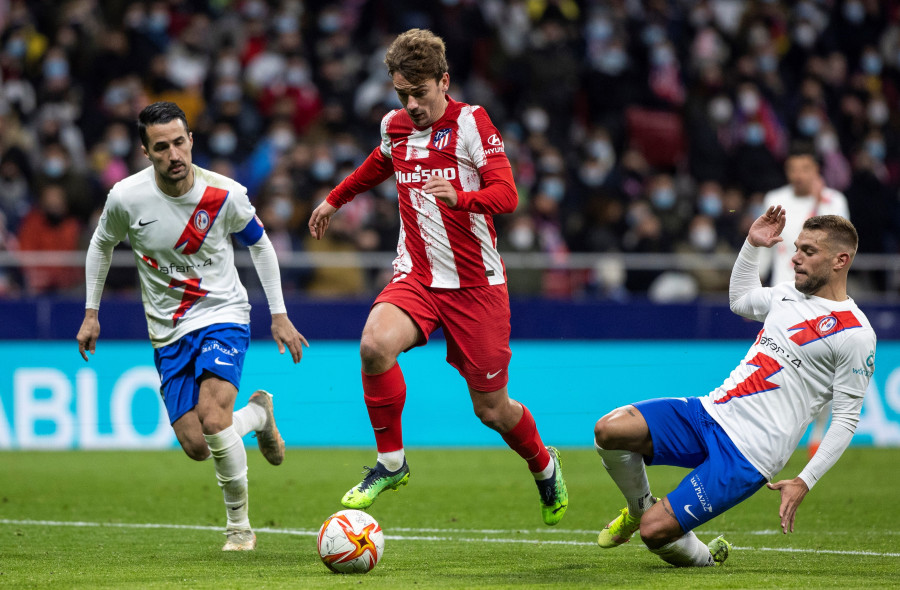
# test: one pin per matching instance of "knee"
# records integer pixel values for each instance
(196, 450)
(375, 355)
(491, 417)
(215, 421)
(655, 532)
(603, 433)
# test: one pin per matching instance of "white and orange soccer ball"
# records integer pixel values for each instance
(350, 542)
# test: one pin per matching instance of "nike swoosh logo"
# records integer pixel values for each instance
(687, 508)
(492, 375)
(221, 362)
(143, 223)
(237, 507)
(786, 299)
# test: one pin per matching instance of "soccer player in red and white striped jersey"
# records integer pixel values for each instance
(452, 175)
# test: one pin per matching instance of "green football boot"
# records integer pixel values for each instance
(719, 548)
(554, 496)
(377, 480)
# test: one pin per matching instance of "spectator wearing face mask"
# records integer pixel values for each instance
(703, 238)
(50, 227)
(15, 187)
(55, 167)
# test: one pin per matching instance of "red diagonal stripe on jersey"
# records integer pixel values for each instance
(192, 293)
(151, 261)
(192, 237)
(816, 329)
(757, 381)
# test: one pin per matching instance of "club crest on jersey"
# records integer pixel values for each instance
(201, 220)
(441, 138)
(826, 324)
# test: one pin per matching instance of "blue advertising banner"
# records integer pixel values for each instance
(51, 399)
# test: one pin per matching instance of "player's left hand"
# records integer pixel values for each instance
(287, 336)
(792, 493)
(441, 189)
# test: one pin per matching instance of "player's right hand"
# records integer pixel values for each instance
(766, 230)
(88, 333)
(321, 216)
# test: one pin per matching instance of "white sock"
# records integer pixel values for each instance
(230, 460)
(688, 551)
(626, 468)
(393, 460)
(248, 419)
(547, 473)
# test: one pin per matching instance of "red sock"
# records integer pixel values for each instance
(525, 440)
(385, 395)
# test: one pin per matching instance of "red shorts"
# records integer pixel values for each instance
(475, 322)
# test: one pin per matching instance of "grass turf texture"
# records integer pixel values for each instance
(468, 519)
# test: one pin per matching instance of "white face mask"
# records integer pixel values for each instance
(119, 146)
(703, 238)
(827, 143)
(521, 237)
(282, 139)
(720, 110)
(223, 142)
(283, 208)
(878, 113)
(536, 120)
(749, 102)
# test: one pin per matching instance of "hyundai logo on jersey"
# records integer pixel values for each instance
(495, 140)
(441, 138)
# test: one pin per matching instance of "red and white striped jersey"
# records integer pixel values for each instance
(442, 247)
(183, 250)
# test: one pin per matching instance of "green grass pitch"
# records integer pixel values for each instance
(468, 519)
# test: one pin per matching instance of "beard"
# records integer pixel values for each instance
(812, 283)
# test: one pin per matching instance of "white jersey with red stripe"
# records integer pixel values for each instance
(809, 350)
(439, 246)
(183, 249)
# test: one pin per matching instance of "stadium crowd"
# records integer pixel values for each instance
(632, 126)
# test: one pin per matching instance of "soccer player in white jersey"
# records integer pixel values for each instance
(180, 220)
(803, 197)
(452, 175)
(815, 346)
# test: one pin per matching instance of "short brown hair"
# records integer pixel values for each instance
(418, 55)
(841, 232)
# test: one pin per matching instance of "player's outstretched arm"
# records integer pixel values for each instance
(287, 336)
(320, 218)
(792, 493)
(88, 333)
(766, 230)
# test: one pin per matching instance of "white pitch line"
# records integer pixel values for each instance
(313, 533)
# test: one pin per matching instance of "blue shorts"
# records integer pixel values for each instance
(685, 435)
(218, 349)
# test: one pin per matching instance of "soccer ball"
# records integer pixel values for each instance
(350, 542)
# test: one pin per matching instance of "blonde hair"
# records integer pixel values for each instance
(418, 55)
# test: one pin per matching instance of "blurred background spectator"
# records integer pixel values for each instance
(633, 126)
